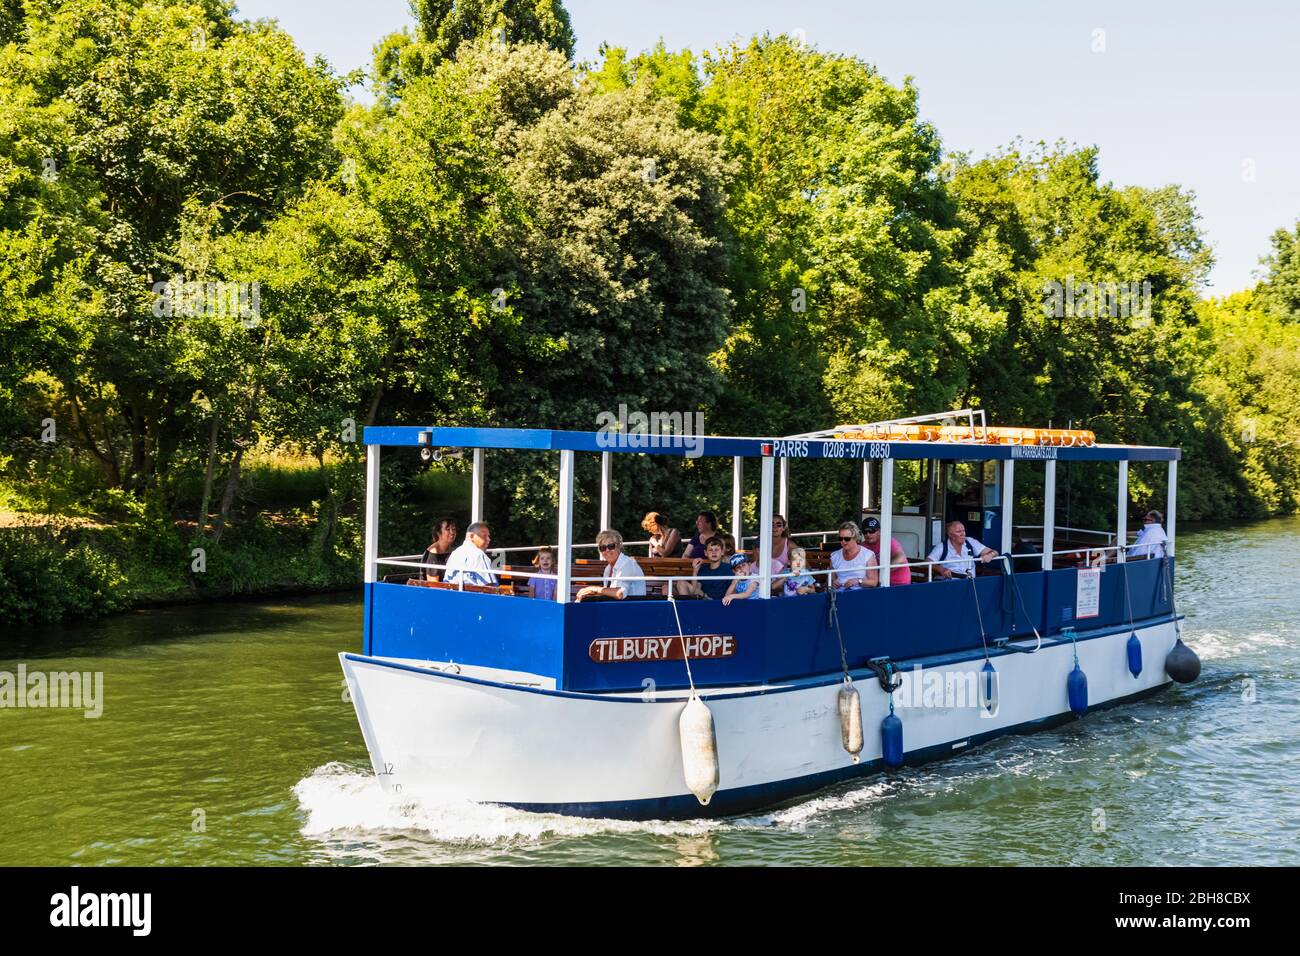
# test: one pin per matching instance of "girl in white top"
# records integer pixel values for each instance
(855, 566)
(664, 541)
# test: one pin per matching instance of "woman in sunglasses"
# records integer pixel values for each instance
(781, 541)
(855, 566)
(622, 575)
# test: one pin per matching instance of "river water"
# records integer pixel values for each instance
(225, 738)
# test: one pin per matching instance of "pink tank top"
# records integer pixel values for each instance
(897, 574)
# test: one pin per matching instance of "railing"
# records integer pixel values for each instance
(1089, 558)
(1108, 535)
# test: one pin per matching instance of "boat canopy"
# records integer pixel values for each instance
(950, 436)
(822, 445)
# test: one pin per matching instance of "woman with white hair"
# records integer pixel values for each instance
(622, 576)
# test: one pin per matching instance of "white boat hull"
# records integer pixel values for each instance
(455, 737)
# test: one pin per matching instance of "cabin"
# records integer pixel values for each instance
(1081, 585)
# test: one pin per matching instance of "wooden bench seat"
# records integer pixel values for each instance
(479, 588)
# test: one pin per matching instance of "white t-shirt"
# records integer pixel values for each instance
(848, 570)
(958, 561)
(1150, 542)
(618, 575)
(469, 564)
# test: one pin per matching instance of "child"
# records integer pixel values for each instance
(543, 588)
(744, 586)
(706, 583)
(800, 581)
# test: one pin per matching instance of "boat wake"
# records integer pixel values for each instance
(342, 801)
(1216, 645)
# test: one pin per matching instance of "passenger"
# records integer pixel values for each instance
(444, 542)
(543, 588)
(706, 526)
(664, 541)
(469, 564)
(751, 567)
(781, 543)
(1151, 541)
(1027, 556)
(855, 566)
(899, 572)
(800, 581)
(728, 545)
(957, 553)
(621, 575)
(706, 575)
(745, 585)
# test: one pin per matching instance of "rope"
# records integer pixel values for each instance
(844, 661)
(1168, 579)
(1021, 603)
(686, 658)
(1128, 597)
(979, 613)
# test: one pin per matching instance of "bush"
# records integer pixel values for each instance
(45, 576)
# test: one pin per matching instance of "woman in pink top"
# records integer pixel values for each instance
(780, 541)
(899, 572)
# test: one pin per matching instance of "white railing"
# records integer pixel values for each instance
(1092, 557)
(1108, 535)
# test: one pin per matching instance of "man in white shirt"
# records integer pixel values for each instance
(619, 578)
(1151, 540)
(469, 564)
(855, 566)
(957, 553)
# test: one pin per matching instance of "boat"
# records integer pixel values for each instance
(664, 707)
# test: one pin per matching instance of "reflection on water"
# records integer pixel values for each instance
(226, 738)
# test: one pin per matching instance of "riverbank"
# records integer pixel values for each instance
(56, 569)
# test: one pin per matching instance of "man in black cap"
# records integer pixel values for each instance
(899, 572)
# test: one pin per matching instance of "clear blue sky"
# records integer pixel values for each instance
(1203, 94)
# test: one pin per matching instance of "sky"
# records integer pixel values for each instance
(1202, 94)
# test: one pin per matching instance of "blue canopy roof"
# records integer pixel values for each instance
(692, 446)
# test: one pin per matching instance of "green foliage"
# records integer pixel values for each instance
(767, 233)
(46, 577)
(1280, 290)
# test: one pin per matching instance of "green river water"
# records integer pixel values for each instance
(226, 738)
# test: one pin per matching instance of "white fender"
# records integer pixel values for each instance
(851, 719)
(699, 750)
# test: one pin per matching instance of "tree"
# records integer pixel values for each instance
(443, 25)
(156, 105)
(1280, 290)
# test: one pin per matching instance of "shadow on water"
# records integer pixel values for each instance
(170, 623)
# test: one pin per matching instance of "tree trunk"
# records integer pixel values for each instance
(228, 496)
(202, 526)
(107, 459)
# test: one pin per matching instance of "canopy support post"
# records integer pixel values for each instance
(476, 487)
(765, 530)
(1171, 506)
(1121, 519)
(606, 489)
(1008, 501)
(1049, 513)
(372, 514)
(886, 519)
(737, 500)
(564, 560)
(785, 489)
